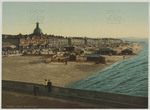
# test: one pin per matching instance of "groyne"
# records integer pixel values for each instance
(102, 98)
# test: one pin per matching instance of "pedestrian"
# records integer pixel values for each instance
(58, 59)
(49, 85)
(45, 83)
(66, 62)
(34, 90)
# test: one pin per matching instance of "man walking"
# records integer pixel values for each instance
(49, 85)
(66, 62)
(35, 89)
(45, 83)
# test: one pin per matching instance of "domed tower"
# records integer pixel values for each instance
(37, 31)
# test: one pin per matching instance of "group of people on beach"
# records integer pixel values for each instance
(47, 84)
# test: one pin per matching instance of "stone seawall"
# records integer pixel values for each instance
(103, 98)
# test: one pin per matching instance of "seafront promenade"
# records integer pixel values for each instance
(94, 98)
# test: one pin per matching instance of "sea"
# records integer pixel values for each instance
(129, 77)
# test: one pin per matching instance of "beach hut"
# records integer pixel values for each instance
(73, 57)
(92, 57)
(127, 52)
(96, 57)
(106, 51)
(103, 59)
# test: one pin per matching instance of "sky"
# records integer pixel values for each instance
(77, 19)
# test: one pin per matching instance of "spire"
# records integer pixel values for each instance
(37, 25)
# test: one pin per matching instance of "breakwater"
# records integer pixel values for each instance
(102, 98)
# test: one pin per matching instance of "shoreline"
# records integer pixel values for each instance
(33, 69)
(137, 49)
(104, 67)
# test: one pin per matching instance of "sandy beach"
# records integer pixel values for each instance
(34, 69)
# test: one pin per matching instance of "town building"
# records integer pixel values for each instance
(39, 40)
(70, 48)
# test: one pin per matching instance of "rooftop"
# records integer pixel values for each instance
(91, 55)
